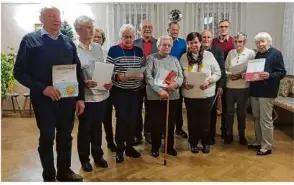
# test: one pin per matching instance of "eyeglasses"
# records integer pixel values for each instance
(223, 26)
(238, 41)
(127, 37)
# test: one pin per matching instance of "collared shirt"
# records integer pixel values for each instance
(44, 32)
(179, 48)
(226, 45)
(147, 47)
(234, 58)
(88, 58)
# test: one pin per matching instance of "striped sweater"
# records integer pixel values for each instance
(122, 60)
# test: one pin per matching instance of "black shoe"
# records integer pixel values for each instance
(267, 152)
(211, 142)
(137, 141)
(243, 140)
(194, 149)
(254, 147)
(68, 176)
(206, 149)
(50, 180)
(119, 157)
(228, 140)
(148, 138)
(132, 153)
(112, 147)
(155, 154)
(87, 167)
(101, 162)
(49, 176)
(181, 133)
(172, 152)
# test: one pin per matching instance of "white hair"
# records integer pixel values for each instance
(164, 37)
(264, 36)
(126, 27)
(47, 7)
(82, 20)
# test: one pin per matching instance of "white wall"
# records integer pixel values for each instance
(19, 19)
(268, 17)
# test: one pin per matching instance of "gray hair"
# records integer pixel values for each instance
(164, 37)
(47, 7)
(264, 36)
(126, 27)
(241, 34)
(82, 20)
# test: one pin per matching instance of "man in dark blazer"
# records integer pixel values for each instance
(148, 44)
(219, 56)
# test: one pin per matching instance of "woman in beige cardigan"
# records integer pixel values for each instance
(199, 98)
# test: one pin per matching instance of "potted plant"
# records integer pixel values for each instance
(7, 79)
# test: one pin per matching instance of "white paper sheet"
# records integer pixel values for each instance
(240, 68)
(65, 80)
(102, 74)
(135, 71)
(256, 65)
(196, 78)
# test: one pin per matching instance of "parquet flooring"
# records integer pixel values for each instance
(20, 160)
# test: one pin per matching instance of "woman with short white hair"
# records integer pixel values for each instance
(264, 92)
(125, 93)
(90, 123)
(157, 94)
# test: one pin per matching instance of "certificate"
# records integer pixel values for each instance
(196, 78)
(135, 71)
(102, 74)
(65, 80)
(254, 68)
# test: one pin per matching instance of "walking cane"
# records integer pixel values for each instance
(166, 132)
(216, 97)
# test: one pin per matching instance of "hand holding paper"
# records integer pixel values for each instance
(65, 80)
(196, 78)
(102, 74)
(254, 69)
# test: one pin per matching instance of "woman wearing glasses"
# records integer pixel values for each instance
(125, 93)
(237, 88)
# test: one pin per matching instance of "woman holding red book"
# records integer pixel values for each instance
(163, 77)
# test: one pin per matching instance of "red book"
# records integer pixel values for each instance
(171, 77)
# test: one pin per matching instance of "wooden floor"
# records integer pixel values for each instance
(20, 160)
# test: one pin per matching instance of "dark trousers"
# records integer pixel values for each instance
(108, 121)
(139, 125)
(50, 116)
(90, 131)
(239, 96)
(157, 113)
(126, 103)
(198, 113)
(179, 119)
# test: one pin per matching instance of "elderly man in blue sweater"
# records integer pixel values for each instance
(38, 52)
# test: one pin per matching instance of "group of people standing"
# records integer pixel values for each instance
(199, 52)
